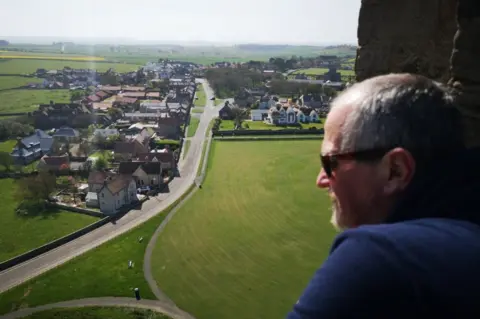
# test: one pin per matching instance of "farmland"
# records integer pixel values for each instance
(19, 234)
(258, 229)
(16, 101)
(28, 66)
(10, 82)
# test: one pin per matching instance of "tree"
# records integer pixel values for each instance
(84, 148)
(100, 163)
(6, 160)
(77, 95)
(239, 115)
(35, 189)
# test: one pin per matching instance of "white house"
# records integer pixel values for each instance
(117, 192)
(282, 116)
(144, 173)
(312, 117)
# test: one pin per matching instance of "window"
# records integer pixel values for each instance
(103, 195)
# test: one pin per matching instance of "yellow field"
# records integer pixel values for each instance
(59, 57)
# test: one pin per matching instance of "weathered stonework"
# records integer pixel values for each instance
(437, 38)
(405, 36)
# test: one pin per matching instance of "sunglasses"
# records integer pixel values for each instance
(330, 162)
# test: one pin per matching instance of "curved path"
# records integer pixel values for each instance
(188, 168)
(154, 305)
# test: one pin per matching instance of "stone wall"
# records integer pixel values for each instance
(405, 36)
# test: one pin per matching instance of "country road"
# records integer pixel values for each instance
(188, 169)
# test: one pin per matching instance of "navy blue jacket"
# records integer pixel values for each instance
(424, 261)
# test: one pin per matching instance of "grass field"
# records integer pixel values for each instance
(259, 125)
(27, 66)
(27, 100)
(97, 313)
(218, 101)
(20, 234)
(192, 127)
(202, 99)
(248, 242)
(15, 55)
(320, 71)
(9, 82)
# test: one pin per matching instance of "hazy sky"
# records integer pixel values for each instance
(241, 21)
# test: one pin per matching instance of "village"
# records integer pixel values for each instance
(119, 144)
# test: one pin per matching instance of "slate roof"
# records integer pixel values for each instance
(118, 182)
(150, 168)
(66, 132)
(39, 137)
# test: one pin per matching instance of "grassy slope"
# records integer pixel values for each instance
(22, 66)
(246, 244)
(20, 234)
(27, 100)
(97, 313)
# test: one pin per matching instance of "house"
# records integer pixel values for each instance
(312, 117)
(165, 158)
(168, 127)
(226, 113)
(66, 133)
(282, 116)
(95, 182)
(124, 151)
(32, 148)
(117, 192)
(266, 102)
(313, 101)
(144, 173)
(54, 163)
(105, 133)
(55, 115)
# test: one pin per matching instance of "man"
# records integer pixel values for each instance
(406, 193)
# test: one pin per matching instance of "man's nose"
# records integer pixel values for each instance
(322, 179)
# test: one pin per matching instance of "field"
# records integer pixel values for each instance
(192, 127)
(9, 82)
(320, 71)
(202, 100)
(198, 109)
(28, 66)
(259, 125)
(20, 234)
(97, 313)
(248, 242)
(27, 100)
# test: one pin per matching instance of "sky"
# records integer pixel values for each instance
(216, 21)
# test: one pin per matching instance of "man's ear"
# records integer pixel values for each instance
(399, 166)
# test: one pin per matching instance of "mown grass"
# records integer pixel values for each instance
(321, 71)
(19, 234)
(248, 242)
(98, 313)
(16, 101)
(200, 94)
(192, 127)
(10, 82)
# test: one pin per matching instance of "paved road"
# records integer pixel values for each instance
(188, 168)
(105, 302)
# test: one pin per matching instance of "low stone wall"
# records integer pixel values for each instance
(53, 244)
(79, 210)
(268, 132)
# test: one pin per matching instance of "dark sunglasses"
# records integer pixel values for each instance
(330, 161)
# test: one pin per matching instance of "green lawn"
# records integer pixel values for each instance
(27, 100)
(26, 66)
(321, 71)
(21, 234)
(202, 99)
(198, 109)
(192, 127)
(259, 125)
(248, 242)
(9, 82)
(98, 313)
(102, 272)
(218, 101)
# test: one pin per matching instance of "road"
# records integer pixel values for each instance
(187, 167)
(104, 302)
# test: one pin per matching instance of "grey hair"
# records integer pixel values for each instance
(400, 110)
